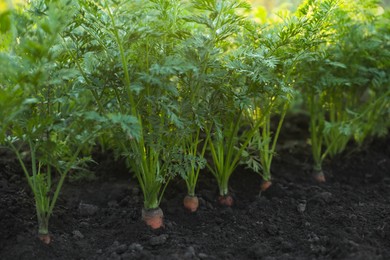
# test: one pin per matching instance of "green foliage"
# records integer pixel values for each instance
(43, 108)
(138, 91)
(341, 80)
(162, 82)
(266, 62)
(218, 85)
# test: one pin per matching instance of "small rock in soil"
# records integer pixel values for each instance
(301, 207)
(136, 247)
(113, 246)
(84, 224)
(258, 250)
(158, 240)
(87, 210)
(121, 249)
(312, 237)
(190, 252)
(317, 249)
(77, 234)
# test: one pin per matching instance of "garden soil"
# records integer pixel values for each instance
(348, 217)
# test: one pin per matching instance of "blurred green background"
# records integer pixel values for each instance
(275, 5)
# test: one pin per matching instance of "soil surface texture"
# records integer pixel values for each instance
(348, 217)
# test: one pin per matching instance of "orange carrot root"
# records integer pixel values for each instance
(45, 238)
(226, 200)
(191, 203)
(154, 218)
(265, 185)
(319, 176)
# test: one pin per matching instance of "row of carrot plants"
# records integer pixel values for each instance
(178, 86)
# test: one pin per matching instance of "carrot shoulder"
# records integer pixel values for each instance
(154, 218)
(191, 203)
(45, 238)
(226, 200)
(319, 176)
(265, 185)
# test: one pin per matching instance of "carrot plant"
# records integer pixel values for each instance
(337, 82)
(194, 92)
(267, 60)
(365, 51)
(316, 34)
(143, 87)
(219, 23)
(188, 163)
(344, 80)
(199, 56)
(192, 162)
(44, 116)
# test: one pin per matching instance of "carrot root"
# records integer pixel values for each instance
(45, 238)
(319, 176)
(265, 185)
(191, 203)
(226, 200)
(154, 218)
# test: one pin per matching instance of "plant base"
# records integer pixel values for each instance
(191, 203)
(265, 185)
(319, 176)
(226, 200)
(45, 238)
(154, 218)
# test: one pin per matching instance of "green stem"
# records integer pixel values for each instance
(43, 223)
(123, 60)
(22, 164)
(223, 184)
(315, 132)
(194, 180)
(40, 202)
(151, 201)
(62, 179)
(163, 190)
(269, 156)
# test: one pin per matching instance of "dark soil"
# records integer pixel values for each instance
(348, 217)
